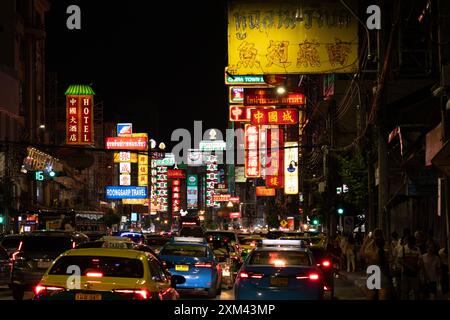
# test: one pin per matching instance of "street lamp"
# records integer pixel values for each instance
(281, 90)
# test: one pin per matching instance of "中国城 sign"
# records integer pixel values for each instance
(269, 37)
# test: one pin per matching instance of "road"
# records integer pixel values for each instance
(347, 288)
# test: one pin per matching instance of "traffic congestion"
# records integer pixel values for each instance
(189, 263)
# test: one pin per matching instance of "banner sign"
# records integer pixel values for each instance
(212, 145)
(126, 143)
(235, 199)
(162, 188)
(221, 197)
(265, 192)
(176, 174)
(252, 156)
(142, 202)
(126, 192)
(192, 191)
(80, 119)
(269, 97)
(291, 168)
(125, 167)
(243, 79)
(124, 129)
(266, 37)
(275, 154)
(168, 161)
(274, 117)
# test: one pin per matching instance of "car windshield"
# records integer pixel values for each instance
(183, 250)
(280, 258)
(46, 244)
(224, 236)
(116, 267)
(10, 242)
(156, 241)
(249, 241)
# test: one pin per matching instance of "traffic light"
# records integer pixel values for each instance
(340, 211)
(2, 219)
(315, 221)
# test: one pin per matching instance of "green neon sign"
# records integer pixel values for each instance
(244, 79)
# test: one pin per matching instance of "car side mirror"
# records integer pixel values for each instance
(176, 279)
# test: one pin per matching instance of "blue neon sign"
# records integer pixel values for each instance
(126, 192)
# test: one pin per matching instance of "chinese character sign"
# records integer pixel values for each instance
(274, 116)
(266, 37)
(176, 200)
(275, 154)
(291, 168)
(79, 119)
(162, 187)
(212, 177)
(252, 156)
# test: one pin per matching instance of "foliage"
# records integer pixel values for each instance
(353, 171)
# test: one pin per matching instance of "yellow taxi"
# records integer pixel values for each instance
(249, 243)
(107, 274)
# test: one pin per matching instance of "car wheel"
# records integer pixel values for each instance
(17, 292)
(212, 292)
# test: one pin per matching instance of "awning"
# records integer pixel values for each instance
(79, 89)
(442, 159)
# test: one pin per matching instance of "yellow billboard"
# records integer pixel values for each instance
(125, 157)
(291, 36)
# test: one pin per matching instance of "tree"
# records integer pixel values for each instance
(353, 171)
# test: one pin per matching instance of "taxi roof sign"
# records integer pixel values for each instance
(295, 243)
(189, 239)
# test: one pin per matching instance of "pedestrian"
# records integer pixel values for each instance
(395, 267)
(376, 252)
(350, 254)
(430, 271)
(443, 255)
(421, 241)
(408, 258)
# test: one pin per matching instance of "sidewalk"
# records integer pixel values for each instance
(351, 286)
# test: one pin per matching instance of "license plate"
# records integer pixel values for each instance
(44, 264)
(181, 267)
(88, 296)
(279, 282)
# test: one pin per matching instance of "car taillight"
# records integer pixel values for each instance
(311, 276)
(203, 265)
(326, 263)
(134, 294)
(41, 290)
(245, 275)
(94, 274)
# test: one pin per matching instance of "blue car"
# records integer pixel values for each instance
(193, 259)
(279, 270)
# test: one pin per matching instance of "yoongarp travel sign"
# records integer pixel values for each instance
(291, 36)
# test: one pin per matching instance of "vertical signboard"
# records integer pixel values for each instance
(176, 199)
(162, 188)
(192, 191)
(80, 120)
(212, 177)
(275, 170)
(291, 168)
(252, 156)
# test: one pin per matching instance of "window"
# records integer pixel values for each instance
(280, 258)
(108, 266)
(46, 244)
(156, 270)
(183, 250)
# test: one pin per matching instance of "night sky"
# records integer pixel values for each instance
(158, 64)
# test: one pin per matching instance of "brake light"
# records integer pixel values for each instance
(46, 290)
(203, 265)
(142, 294)
(94, 274)
(326, 263)
(311, 276)
(74, 245)
(245, 275)
(253, 244)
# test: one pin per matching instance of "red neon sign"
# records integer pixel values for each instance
(252, 156)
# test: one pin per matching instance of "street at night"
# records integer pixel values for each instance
(245, 151)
